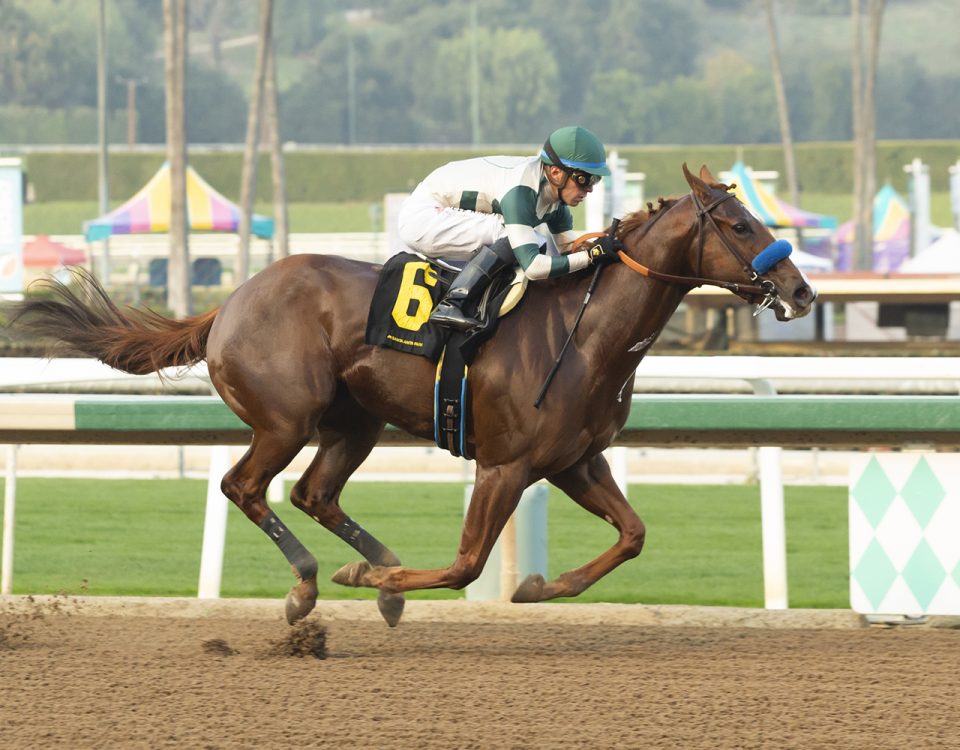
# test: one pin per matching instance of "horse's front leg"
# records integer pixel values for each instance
(496, 493)
(591, 485)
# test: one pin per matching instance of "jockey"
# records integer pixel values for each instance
(485, 211)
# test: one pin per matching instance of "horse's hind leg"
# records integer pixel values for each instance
(317, 493)
(246, 485)
(591, 485)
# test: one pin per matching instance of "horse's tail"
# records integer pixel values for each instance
(86, 321)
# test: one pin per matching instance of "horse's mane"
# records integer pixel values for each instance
(645, 219)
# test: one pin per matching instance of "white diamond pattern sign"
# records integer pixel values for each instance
(905, 534)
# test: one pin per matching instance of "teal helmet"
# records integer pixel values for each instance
(576, 148)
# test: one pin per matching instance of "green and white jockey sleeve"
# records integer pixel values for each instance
(512, 186)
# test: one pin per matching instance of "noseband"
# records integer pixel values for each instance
(765, 288)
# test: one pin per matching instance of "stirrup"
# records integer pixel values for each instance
(449, 316)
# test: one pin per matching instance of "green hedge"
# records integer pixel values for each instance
(332, 175)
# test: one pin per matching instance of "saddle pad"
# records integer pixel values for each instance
(407, 291)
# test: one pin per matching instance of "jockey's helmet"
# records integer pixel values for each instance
(576, 149)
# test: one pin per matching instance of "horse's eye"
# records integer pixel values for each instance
(741, 227)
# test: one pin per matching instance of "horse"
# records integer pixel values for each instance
(286, 352)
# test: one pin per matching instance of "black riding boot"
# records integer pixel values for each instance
(467, 287)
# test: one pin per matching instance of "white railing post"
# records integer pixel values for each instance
(619, 467)
(9, 502)
(214, 526)
(772, 522)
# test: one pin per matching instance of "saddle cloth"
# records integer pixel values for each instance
(409, 288)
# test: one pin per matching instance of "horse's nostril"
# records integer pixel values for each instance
(804, 295)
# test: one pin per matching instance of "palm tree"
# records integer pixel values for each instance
(865, 128)
(249, 179)
(783, 110)
(175, 47)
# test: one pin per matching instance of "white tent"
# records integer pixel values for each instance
(810, 263)
(943, 256)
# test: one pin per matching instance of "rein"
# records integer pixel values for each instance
(703, 213)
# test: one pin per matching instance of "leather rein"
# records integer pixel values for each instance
(704, 216)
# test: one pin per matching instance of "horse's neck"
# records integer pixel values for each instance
(632, 310)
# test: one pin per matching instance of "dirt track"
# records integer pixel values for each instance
(186, 674)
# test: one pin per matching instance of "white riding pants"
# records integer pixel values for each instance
(444, 232)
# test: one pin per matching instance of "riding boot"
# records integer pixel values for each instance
(467, 288)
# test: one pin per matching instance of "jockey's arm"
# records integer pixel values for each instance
(519, 218)
(565, 240)
(535, 264)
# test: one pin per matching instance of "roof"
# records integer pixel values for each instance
(770, 209)
(891, 233)
(149, 211)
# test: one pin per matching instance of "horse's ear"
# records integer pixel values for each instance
(695, 183)
(707, 176)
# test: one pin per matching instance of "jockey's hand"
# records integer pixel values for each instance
(605, 250)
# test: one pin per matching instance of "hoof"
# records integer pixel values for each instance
(301, 600)
(531, 590)
(391, 607)
(352, 574)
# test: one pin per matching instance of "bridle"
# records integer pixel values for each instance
(765, 288)
(770, 256)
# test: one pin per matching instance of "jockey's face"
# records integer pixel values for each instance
(569, 190)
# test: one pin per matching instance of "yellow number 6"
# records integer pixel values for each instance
(409, 292)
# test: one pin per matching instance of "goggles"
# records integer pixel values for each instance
(583, 179)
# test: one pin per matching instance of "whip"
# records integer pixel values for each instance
(612, 232)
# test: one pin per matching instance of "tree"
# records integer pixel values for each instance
(864, 129)
(783, 110)
(175, 46)
(518, 85)
(248, 186)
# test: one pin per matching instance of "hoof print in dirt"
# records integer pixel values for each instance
(218, 647)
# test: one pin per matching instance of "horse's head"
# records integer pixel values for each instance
(733, 248)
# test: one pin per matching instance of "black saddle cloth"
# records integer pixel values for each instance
(408, 290)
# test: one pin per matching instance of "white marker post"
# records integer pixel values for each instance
(214, 526)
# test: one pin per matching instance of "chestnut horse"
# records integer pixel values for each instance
(286, 352)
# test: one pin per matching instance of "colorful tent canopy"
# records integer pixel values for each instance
(770, 209)
(891, 234)
(149, 211)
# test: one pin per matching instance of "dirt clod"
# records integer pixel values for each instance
(305, 638)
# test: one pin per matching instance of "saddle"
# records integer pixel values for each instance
(409, 288)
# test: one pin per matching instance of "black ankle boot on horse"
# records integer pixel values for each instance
(469, 285)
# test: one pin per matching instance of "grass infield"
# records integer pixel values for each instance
(143, 537)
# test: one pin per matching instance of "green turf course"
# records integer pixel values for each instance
(143, 538)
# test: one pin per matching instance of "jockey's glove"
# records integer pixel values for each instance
(605, 250)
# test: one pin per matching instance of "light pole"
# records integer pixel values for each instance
(355, 19)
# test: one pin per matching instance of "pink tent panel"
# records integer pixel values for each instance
(42, 252)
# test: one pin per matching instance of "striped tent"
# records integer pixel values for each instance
(149, 211)
(770, 209)
(891, 234)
